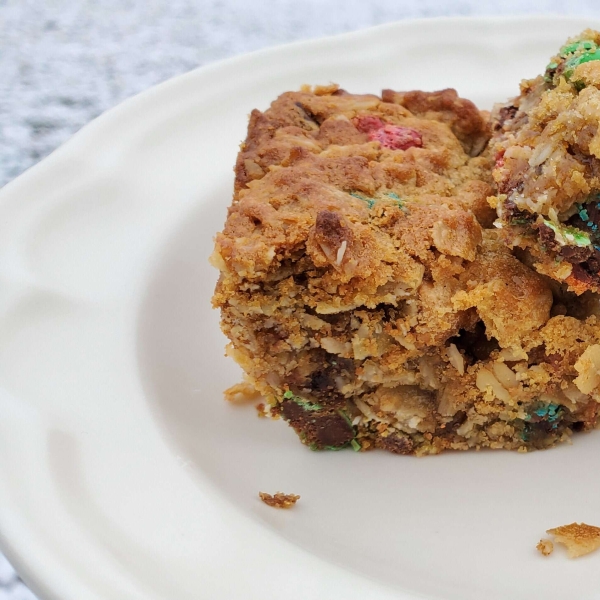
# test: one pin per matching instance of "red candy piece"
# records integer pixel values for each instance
(500, 159)
(397, 138)
(368, 124)
(389, 136)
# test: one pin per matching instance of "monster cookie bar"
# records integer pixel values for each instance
(367, 296)
(547, 145)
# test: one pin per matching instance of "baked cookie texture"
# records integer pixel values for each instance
(547, 150)
(368, 297)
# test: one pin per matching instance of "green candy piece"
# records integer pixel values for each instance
(305, 404)
(579, 60)
(370, 202)
(585, 45)
(550, 412)
(399, 201)
(316, 448)
(568, 235)
(549, 72)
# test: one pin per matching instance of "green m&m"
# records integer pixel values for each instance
(579, 59)
(585, 45)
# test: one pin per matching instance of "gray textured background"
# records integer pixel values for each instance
(63, 62)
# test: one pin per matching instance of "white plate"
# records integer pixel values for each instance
(124, 475)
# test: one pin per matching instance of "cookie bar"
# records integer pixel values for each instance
(367, 296)
(547, 147)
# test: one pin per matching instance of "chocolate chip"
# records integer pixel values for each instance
(333, 430)
(318, 429)
(396, 443)
(576, 254)
(322, 381)
(581, 274)
(307, 114)
(506, 113)
(474, 343)
(292, 411)
(536, 355)
(547, 238)
(459, 418)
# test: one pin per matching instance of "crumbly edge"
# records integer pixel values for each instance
(416, 368)
(547, 152)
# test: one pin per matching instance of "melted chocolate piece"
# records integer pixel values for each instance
(581, 274)
(576, 254)
(396, 443)
(318, 429)
(537, 355)
(322, 383)
(546, 238)
(510, 185)
(475, 343)
(506, 113)
(593, 263)
(307, 114)
(516, 216)
(536, 434)
(333, 430)
(459, 418)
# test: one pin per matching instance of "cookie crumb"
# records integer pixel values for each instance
(279, 500)
(240, 393)
(579, 538)
(546, 547)
(260, 409)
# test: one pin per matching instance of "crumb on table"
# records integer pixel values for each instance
(279, 500)
(579, 538)
(546, 547)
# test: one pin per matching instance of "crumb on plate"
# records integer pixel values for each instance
(240, 393)
(279, 500)
(579, 538)
(261, 410)
(546, 547)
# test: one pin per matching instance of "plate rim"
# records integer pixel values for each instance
(542, 17)
(29, 564)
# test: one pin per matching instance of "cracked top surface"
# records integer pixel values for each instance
(371, 203)
(372, 193)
